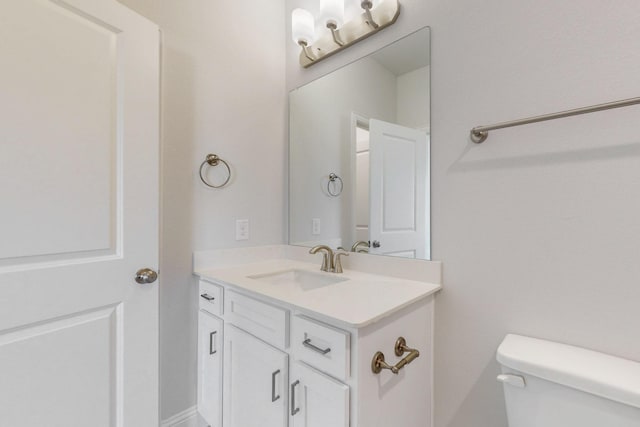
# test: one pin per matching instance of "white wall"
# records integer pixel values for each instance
(223, 92)
(413, 102)
(538, 227)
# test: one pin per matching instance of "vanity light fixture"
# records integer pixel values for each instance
(376, 15)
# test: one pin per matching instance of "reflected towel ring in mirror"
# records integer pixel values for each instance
(333, 178)
(214, 160)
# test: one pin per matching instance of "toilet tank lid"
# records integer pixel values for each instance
(586, 370)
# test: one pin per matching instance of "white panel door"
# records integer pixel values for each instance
(255, 381)
(210, 330)
(316, 399)
(398, 223)
(79, 214)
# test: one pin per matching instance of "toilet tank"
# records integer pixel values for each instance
(548, 384)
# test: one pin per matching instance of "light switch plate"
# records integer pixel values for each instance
(242, 229)
(315, 228)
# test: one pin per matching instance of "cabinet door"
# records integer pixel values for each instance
(316, 399)
(255, 382)
(210, 368)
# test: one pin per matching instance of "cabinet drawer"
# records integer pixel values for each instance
(321, 346)
(260, 319)
(211, 298)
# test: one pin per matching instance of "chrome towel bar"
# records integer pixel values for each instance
(480, 133)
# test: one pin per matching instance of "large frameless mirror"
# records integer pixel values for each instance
(359, 154)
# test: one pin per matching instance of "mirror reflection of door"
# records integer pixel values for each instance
(398, 216)
(391, 189)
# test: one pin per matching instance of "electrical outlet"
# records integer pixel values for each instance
(315, 228)
(242, 229)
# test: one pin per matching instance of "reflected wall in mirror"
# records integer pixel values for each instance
(359, 154)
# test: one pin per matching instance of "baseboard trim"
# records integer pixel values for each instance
(190, 414)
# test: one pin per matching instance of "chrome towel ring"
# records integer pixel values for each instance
(334, 178)
(214, 160)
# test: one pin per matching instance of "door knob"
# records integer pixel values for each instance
(375, 244)
(146, 275)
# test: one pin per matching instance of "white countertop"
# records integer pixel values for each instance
(360, 300)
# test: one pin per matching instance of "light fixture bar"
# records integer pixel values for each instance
(359, 28)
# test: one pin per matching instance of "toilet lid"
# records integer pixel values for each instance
(586, 370)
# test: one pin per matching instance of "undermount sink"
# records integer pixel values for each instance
(303, 279)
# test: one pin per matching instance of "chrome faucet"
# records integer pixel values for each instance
(327, 256)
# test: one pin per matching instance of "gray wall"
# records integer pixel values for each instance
(538, 227)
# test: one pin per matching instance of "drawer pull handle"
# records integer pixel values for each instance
(211, 341)
(273, 386)
(294, 410)
(208, 297)
(307, 343)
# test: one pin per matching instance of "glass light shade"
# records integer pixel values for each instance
(352, 9)
(302, 26)
(332, 12)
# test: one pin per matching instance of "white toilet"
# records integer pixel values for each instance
(547, 384)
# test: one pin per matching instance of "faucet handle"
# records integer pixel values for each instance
(327, 260)
(337, 263)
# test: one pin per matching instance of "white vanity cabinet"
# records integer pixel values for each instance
(261, 387)
(210, 335)
(317, 400)
(255, 381)
(273, 363)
